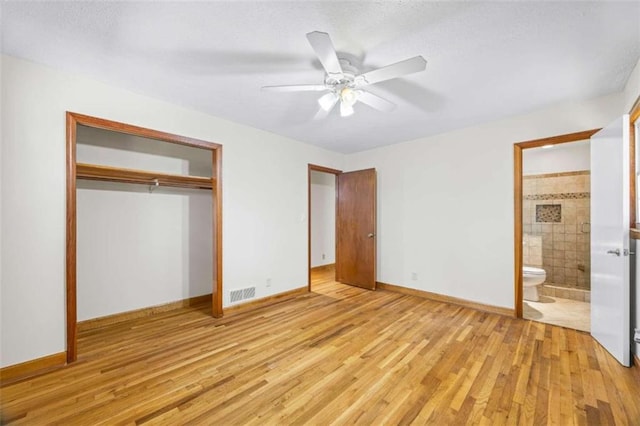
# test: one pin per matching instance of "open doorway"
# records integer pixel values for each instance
(519, 206)
(322, 225)
(354, 233)
(556, 230)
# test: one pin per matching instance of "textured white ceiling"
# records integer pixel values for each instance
(485, 60)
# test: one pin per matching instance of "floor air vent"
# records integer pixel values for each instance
(242, 294)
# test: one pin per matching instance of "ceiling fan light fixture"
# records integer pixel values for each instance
(346, 109)
(348, 95)
(327, 101)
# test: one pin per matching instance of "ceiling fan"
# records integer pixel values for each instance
(343, 81)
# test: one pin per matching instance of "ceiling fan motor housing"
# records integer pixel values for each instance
(346, 79)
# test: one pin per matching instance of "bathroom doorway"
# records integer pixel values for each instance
(553, 230)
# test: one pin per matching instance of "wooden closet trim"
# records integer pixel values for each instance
(125, 175)
(100, 123)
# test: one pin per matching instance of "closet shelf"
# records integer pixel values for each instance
(118, 174)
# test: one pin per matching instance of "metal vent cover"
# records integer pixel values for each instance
(242, 294)
(249, 293)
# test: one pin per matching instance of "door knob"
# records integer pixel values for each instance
(616, 252)
(371, 235)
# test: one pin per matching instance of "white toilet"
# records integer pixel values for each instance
(531, 279)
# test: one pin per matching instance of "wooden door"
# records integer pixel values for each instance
(356, 228)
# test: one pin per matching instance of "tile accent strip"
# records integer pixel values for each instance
(559, 196)
(548, 175)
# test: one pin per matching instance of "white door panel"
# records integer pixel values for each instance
(610, 303)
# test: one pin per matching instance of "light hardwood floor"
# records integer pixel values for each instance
(338, 355)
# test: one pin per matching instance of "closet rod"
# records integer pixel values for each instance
(118, 174)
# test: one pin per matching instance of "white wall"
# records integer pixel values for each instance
(566, 157)
(100, 146)
(137, 249)
(445, 203)
(261, 238)
(323, 218)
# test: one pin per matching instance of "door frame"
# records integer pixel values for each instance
(73, 121)
(517, 201)
(317, 168)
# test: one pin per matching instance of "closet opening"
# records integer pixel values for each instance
(144, 222)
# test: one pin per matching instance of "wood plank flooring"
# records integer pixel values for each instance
(338, 355)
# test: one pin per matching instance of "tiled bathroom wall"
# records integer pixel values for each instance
(556, 211)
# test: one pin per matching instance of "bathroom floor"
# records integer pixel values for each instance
(558, 311)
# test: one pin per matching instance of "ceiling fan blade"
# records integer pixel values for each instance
(296, 88)
(376, 102)
(408, 66)
(321, 44)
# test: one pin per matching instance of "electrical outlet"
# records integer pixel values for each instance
(636, 336)
(268, 282)
(414, 276)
